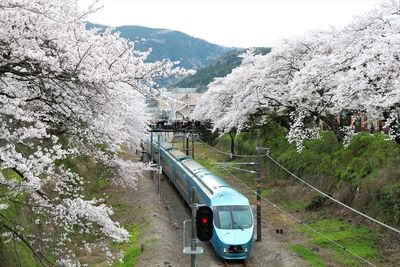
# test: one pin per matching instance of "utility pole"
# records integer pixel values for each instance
(184, 142)
(192, 143)
(159, 166)
(151, 145)
(187, 143)
(193, 244)
(258, 187)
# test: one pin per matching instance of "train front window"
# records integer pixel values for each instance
(233, 217)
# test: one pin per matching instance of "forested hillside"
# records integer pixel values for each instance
(219, 68)
(194, 53)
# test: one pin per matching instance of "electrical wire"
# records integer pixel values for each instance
(235, 168)
(335, 200)
(302, 223)
(229, 154)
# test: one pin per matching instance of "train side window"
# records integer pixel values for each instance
(216, 217)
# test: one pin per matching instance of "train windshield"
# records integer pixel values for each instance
(233, 217)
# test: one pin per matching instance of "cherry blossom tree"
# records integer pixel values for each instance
(316, 77)
(355, 71)
(66, 91)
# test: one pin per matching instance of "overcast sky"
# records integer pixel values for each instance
(237, 23)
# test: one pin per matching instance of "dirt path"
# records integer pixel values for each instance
(160, 240)
(164, 234)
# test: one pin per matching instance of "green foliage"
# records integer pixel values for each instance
(132, 249)
(220, 68)
(389, 201)
(308, 255)
(357, 239)
(10, 175)
(14, 253)
(365, 156)
(316, 202)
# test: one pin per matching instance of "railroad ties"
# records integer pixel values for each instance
(235, 263)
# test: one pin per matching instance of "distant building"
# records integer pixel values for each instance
(182, 103)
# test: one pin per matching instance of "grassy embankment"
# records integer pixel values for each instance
(96, 186)
(100, 187)
(14, 253)
(365, 176)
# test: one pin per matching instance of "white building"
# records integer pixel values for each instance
(182, 103)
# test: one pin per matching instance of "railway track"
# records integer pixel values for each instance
(241, 263)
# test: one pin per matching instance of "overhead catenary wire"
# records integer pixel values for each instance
(303, 223)
(228, 154)
(235, 168)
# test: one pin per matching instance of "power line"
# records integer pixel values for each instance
(303, 223)
(335, 200)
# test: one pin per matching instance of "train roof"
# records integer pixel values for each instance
(164, 144)
(179, 155)
(228, 196)
(167, 146)
(212, 181)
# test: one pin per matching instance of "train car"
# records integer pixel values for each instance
(233, 216)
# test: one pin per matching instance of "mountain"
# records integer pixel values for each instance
(219, 68)
(194, 53)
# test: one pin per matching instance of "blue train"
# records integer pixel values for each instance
(233, 217)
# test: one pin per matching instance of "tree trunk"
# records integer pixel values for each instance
(332, 123)
(232, 144)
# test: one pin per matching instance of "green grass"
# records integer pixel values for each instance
(132, 249)
(357, 239)
(270, 191)
(293, 205)
(120, 207)
(308, 255)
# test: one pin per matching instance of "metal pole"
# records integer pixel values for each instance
(193, 243)
(183, 138)
(142, 151)
(258, 186)
(158, 165)
(192, 144)
(187, 144)
(151, 146)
